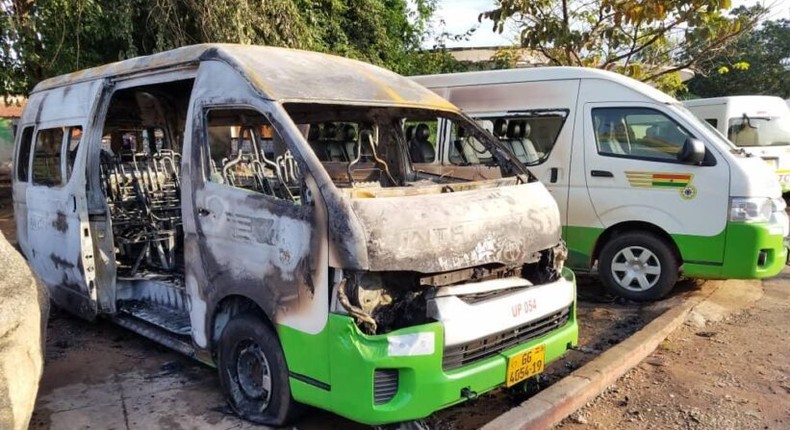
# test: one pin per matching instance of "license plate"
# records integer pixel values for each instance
(525, 364)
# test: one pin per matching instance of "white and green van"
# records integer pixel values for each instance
(758, 124)
(646, 191)
(255, 208)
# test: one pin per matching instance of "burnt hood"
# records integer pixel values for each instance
(439, 232)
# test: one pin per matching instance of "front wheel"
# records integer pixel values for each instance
(253, 372)
(638, 266)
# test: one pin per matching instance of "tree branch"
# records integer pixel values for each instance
(651, 41)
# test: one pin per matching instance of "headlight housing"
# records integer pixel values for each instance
(751, 209)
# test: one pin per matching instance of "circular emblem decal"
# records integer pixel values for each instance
(689, 192)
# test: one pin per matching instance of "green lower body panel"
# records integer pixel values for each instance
(423, 386)
(740, 251)
(752, 251)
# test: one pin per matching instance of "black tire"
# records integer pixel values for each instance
(248, 350)
(639, 266)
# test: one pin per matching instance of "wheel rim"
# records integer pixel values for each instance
(636, 268)
(253, 372)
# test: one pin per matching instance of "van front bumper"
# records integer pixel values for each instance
(382, 379)
(751, 251)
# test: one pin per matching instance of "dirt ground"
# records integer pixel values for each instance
(731, 374)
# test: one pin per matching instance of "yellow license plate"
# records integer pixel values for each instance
(523, 365)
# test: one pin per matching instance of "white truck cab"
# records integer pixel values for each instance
(646, 191)
(758, 124)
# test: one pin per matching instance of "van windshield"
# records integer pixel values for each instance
(373, 146)
(760, 131)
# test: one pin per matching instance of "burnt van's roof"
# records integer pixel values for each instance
(279, 74)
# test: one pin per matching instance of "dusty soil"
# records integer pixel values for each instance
(732, 374)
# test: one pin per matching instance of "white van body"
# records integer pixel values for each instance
(758, 124)
(607, 148)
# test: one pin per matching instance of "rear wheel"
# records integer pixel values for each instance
(253, 372)
(638, 266)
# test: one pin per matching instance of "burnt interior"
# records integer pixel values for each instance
(385, 301)
(389, 147)
(140, 169)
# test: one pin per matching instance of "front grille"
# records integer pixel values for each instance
(385, 385)
(466, 353)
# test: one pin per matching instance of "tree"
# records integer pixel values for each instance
(45, 38)
(758, 64)
(649, 40)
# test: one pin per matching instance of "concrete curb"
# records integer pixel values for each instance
(555, 403)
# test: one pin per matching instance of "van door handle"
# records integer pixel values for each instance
(203, 212)
(553, 174)
(601, 174)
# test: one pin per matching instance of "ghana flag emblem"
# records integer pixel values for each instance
(678, 181)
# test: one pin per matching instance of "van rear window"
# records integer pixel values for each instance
(23, 157)
(46, 157)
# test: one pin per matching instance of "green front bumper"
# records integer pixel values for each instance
(751, 251)
(423, 385)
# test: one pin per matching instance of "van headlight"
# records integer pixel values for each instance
(751, 209)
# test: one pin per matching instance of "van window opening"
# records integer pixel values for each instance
(47, 157)
(530, 135)
(140, 179)
(70, 148)
(247, 152)
(363, 147)
(23, 158)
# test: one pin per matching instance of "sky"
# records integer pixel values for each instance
(461, 15)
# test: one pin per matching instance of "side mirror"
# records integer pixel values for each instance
(693, 151)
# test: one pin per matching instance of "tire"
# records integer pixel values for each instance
(638, 266)
(248, 351)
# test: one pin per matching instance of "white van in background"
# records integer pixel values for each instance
(759, 124)
(645, 189)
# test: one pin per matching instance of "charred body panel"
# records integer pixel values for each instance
(267, 249)
(450, 231)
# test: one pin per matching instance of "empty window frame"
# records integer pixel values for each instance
(246, 152)
(47, 168)
(23, 157)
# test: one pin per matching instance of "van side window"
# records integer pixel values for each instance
(46, 157)
(421, 140)
(23, 158)
(72, 145)
(712, 121)
(638, 133)
(530, 136)
(247, 152)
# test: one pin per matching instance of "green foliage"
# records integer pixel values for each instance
(649, 40)
(758, 64)
(45, 38)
